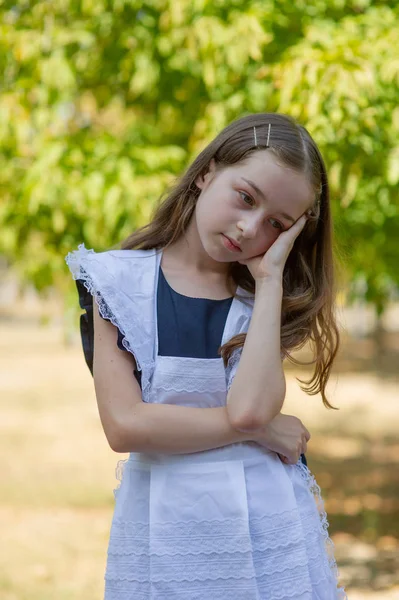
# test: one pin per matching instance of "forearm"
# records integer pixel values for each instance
(258, 389)
(176, 429)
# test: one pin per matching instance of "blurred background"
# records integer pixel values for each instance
(102, 104)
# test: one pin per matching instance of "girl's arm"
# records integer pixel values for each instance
(132, 425)
(257, 393)
(258, 390)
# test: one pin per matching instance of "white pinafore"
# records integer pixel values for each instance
(229, 523)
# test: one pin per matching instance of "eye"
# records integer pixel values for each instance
(276, 224)
(244, 196)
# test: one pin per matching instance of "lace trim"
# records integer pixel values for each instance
(297, 587)
(281, 520)
(280, 585)
(108, 294)
(230, 545)
(277, 566)
(207, 550)
(174, 364)
(183, 384)
(268, 534)
(186, 374)
(124, 590)
(119, 470)
(232, 365)
(314, 488)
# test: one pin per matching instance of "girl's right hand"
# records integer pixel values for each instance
(286, 435)
(273, 261)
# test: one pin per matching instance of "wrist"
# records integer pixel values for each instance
(244, 436)
(272, 279)
(270, 284)
(261, 434)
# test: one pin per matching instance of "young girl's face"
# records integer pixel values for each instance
(251, 203)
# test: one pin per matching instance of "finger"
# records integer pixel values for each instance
(297, 227)
(307, 434)
(283, 459)
(299, 223)
(290, 459)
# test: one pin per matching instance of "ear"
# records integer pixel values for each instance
(202, 180)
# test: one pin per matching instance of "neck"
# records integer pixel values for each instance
(189, 254)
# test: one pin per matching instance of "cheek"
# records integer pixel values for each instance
(209, 217)
(266, 239)
(214, 213)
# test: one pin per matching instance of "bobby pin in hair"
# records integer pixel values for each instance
(268, 136)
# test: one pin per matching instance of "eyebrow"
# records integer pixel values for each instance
(262, 195)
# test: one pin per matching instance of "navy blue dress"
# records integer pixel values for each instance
(188, 327)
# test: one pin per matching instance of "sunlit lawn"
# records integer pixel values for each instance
(58, 472)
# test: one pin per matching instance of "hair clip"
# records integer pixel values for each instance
(268, 135)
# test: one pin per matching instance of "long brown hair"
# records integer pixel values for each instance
(308, 279)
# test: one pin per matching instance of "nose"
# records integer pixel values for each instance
(249, 227)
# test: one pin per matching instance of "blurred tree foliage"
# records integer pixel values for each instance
(103, 103)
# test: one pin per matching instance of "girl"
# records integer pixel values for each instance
(191, 322)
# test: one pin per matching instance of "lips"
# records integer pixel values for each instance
(233, 242)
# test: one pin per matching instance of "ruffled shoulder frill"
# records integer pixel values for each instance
(122, 282)
(87, 326)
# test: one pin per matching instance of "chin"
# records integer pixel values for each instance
(219, 257)
(215, 251)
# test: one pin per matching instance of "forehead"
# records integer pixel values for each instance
(281, 186)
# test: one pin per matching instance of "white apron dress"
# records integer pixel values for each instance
(233, 523)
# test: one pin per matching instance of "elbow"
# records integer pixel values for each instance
(249, 422)
(119, 441)
(125, 432)
(252, 421)
(115, 441)
(116, 444)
